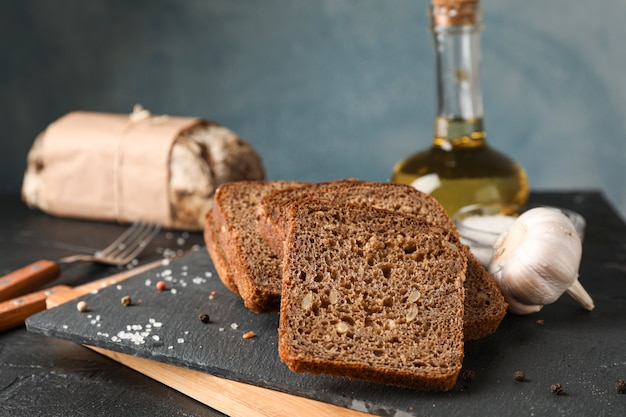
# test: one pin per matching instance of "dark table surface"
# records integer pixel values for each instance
(42, 375)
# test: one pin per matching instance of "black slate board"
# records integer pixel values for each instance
(583, 351)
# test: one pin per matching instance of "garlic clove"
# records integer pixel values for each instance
(516, 307)
(578, 293)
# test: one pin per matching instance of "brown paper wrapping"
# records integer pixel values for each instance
(109, 166)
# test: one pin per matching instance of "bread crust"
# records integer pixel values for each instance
(214, 248)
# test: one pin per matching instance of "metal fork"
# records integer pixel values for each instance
(120, 252)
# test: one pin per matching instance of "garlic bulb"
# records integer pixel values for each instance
(537, 260)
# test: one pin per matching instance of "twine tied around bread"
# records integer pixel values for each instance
(138, 115)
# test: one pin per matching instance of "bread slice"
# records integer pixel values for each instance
(373, 295)
(214, 248)
(249, 267)
(485, 306)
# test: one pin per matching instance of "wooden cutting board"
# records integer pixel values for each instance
(160, 335)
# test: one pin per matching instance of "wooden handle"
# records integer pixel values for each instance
(28, 279)
(14, 312)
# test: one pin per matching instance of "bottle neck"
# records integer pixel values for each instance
(459, 121)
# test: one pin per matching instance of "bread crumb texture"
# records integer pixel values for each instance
(372, 294)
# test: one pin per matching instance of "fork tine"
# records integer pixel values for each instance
(140, 243)
(113, 246)
(131, 242)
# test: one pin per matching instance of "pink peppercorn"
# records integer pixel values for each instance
(161, 285)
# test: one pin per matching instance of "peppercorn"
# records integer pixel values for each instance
(161, 285)
(620, 386)
(126, 300)
(469, 375)
(82, 306)
(519, 376)
(556, 389)
(204, 318)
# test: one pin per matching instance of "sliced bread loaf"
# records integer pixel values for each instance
(484, 304)
(249, 266)
(373, 295)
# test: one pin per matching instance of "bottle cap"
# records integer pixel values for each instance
(455, 12)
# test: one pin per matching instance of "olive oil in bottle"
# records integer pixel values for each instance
(460, 168)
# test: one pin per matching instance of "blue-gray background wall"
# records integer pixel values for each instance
(324, 88)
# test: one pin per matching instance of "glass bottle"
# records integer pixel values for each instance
(460, 168)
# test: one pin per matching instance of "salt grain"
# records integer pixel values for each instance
(234, 326)
(180, 340)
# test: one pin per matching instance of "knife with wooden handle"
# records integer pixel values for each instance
(14, 312)
(28, 278)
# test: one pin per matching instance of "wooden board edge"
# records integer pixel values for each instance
(228, 396)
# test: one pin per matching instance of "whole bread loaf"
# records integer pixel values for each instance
(485, 306)
(373, 295)
(245, 263)
(200, 158)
